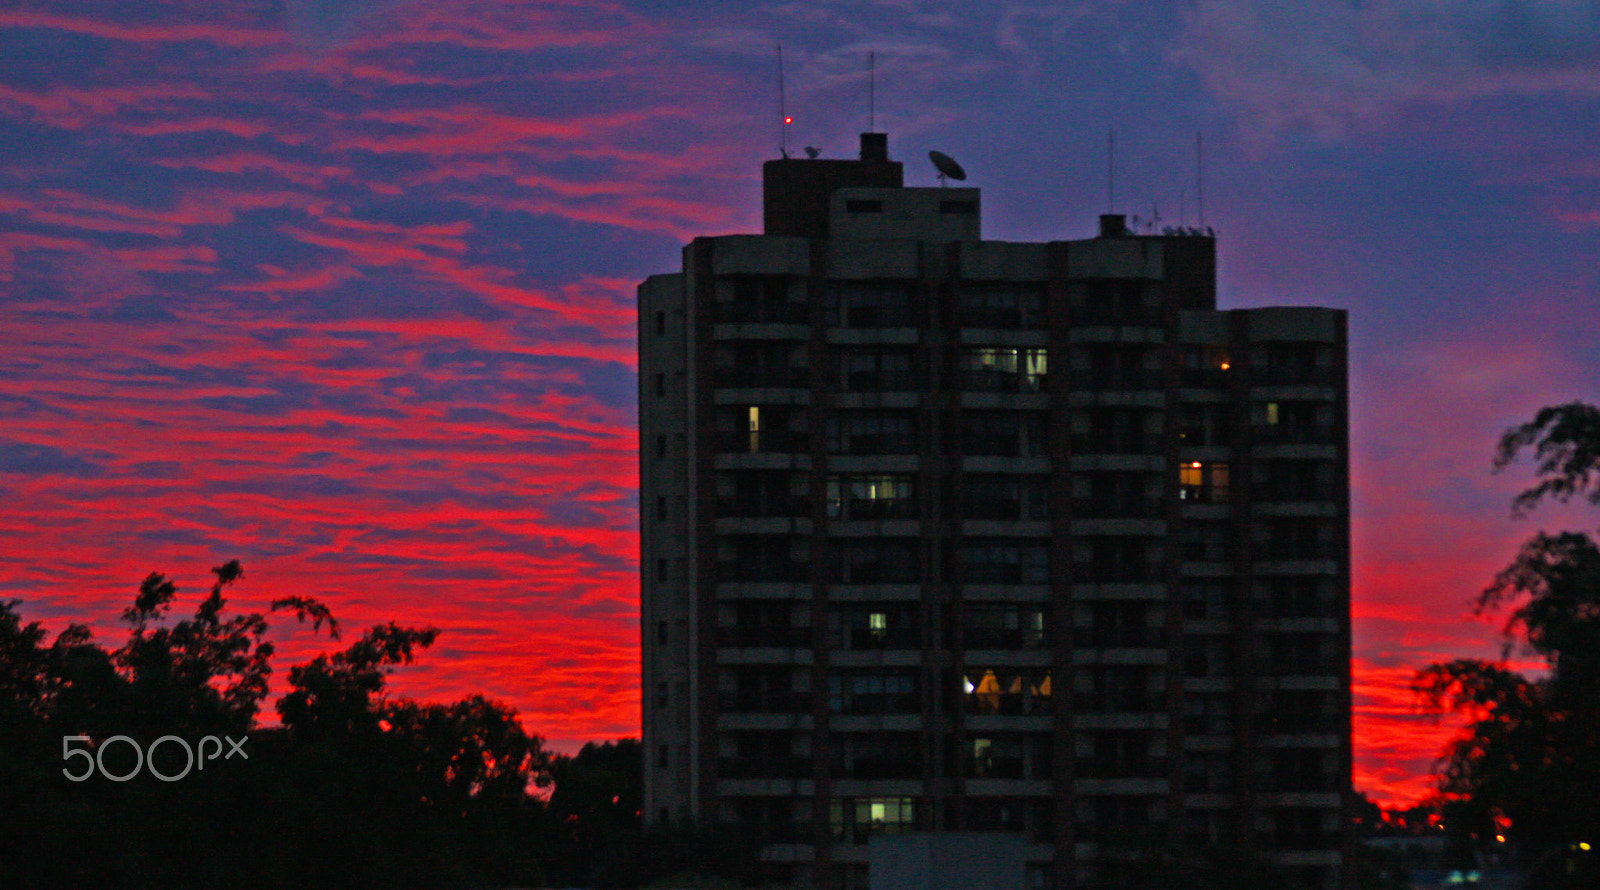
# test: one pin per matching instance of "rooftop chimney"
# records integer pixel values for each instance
(874, 146)
(1113, 225)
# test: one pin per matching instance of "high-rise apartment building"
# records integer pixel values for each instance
(946, 534)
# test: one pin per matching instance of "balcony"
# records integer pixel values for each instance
(1118, 507)
(763, 508)
(764, 637)
(1118, 378)
(772, 767)
(764, 570)
(1123, 443)
(882, 381)
(1293, 375)
(760, 312)
(1113, 313)
(767, 703)
(782, 377)
(1285, 434)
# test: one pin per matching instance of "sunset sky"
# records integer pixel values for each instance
(345, 291)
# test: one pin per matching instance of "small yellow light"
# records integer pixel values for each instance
(1584, 847)
(788, 120)
(1500, 838)
(1224, 366)
(1196, 465)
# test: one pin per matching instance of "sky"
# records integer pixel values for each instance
(346, 291)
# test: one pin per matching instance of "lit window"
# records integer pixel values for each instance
(755, 428)
(1272, 413)
(1203, 482)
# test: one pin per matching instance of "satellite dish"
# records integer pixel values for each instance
(812, 151)
(947, 166)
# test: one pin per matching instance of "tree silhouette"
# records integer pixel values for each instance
(354, 789)
(1529, 765)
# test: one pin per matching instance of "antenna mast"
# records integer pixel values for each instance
(1111, 170)
(783, 112)
(872, 91)
(1199, 178)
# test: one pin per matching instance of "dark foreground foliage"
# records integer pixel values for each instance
(1528, 768)
(353, 789)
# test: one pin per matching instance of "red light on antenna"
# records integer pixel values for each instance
(788, 120)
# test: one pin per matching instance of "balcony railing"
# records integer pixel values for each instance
(763, 442)
(986, 380)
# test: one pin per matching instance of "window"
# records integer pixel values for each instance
(1000, 304)
(1003, 369)
(1119, 688)
(874, 370)
(860, 206)
(661, 323)
(1004, 433)
(661, 507)
(1203, 482)
(877, 626)
(661, 571)
(877, 755)
(1008, 756)
(758, 299)
(872, 497)
(853, 820)
(872, 432)
(1118, 624)
(1003, 561)
(661, 384)
(1006, 690)
(1123, 754)
(873, 692)
(661, 695)
(661, 632)
(661, 446)
(661, 757)
(1003, 626)
(869, 304)
(1005, 497)
(878, 562)
(963, 208)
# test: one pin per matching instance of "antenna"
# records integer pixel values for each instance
(1199, 178)
(872, 91)
(783, 113)
(1111, 169)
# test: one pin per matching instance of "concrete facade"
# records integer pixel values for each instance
(944, 534)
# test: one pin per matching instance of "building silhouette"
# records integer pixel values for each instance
(946, 534)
